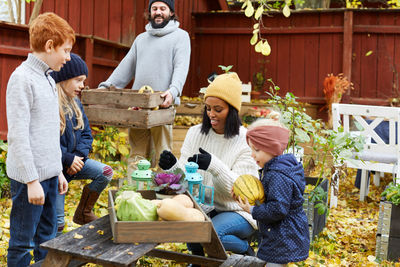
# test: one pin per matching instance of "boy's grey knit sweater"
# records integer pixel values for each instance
(33, 123)
(159, 58)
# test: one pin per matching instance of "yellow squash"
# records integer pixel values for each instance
(249, 186)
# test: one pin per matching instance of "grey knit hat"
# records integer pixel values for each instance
(73, 68)
(170, 3)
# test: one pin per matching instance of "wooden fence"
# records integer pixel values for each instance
(306, 47)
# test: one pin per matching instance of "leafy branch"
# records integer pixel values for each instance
(261, 44)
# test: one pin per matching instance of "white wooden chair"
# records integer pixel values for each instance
(379, 156)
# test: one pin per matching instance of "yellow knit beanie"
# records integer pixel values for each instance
(227, 87)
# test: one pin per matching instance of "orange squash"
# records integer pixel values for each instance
(249, 186)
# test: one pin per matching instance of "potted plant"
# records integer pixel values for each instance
(388, 232)
(168, 184)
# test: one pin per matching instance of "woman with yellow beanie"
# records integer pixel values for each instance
(219, 146)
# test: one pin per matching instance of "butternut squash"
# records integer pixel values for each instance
(194, 215)
(185, 200)
(171, 210)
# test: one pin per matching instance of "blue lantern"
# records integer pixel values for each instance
(195, 184)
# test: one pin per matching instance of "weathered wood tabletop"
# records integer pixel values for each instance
(93, 243)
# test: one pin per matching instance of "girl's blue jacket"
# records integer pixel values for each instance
(282, 222)
(75, 142)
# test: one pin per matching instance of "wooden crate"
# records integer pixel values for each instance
(158, 231)
(316, 222)
(110, 107)
(388, 232)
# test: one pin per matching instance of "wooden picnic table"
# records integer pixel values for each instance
(93, 243)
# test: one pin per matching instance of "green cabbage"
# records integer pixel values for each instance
(131, 206)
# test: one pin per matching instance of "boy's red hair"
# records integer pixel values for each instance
(49, 26)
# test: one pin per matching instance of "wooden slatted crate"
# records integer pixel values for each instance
(388, 232)
(110, 107)
(158, 231)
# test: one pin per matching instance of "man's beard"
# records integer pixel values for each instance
(159, 25)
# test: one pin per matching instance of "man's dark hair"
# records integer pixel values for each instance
(232, 123)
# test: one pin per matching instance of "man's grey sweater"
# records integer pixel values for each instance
(33, 123)
(159, 58)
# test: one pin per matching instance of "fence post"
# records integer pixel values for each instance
(347, 49)
(89, 59)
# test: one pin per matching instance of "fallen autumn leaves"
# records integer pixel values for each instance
(348, 239)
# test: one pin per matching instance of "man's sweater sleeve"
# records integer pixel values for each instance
(181, 65)
(125, 71)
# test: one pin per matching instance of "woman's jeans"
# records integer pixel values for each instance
(232, 229)
(31, 225)
(93, 170)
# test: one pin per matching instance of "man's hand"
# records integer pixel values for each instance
(62, 184)
(35, 193)
(76, 165)
(167, 99)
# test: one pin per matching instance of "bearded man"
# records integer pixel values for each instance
(159, 57)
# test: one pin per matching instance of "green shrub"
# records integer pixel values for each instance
(4, 181)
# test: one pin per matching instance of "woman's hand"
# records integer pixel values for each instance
(76, 165)
(167, 160)
(203, 159)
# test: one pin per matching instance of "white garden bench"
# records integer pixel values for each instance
(381, 156)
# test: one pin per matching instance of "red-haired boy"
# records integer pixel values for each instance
(34, 154)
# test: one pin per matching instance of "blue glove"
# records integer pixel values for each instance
(203, 159)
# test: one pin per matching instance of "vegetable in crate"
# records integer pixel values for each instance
(170, 209)
(169, 183)
(250, 187)
(131, 206)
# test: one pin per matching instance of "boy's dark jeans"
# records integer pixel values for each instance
(31, 225)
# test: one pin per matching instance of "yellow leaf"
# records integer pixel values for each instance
(256, 31)
(266, 49)
(256, 26)
(91, 226)
(258, 47)
(259, 12)
(368, 53)
(123, 134)
(78, 236)
(123, 150)
(249, 11)
(130, 252)
(286, 11)
(254, 39)
(88, 248)
(100, 232)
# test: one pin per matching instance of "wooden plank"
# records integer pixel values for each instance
(115, 11)
(54, 259)
(143, 119)
(214, 249)
(385, 62)
(347, 47)
(97, 246)
(181, 257)
(232, 260)
(123, 97)
(269, 30)
(101, 19)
